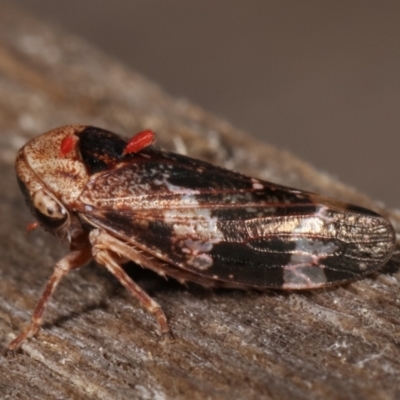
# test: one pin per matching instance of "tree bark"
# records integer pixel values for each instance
(97, 342)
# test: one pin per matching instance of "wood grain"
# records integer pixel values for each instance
(97, 342)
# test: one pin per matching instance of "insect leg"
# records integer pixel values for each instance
(103, 255)
(71, 261)
(131, 252)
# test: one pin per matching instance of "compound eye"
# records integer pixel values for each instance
(48, 210)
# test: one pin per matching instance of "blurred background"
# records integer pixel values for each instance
(318, 78)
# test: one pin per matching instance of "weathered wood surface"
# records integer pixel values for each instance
(97, 342)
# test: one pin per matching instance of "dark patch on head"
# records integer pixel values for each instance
(25, 193)
(100, 149)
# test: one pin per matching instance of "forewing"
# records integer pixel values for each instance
(228, 227)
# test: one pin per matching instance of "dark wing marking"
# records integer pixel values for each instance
(225, 226)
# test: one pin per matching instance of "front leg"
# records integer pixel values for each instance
(103, 254)
(73, 260)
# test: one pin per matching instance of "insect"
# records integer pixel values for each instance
(115, 200)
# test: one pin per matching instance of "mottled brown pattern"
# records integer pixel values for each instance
(188, 219)
(96, 341)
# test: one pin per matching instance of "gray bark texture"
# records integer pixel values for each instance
(97, 343)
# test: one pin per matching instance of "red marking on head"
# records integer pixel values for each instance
(31, 227)
(67, 145)
(140, 141)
